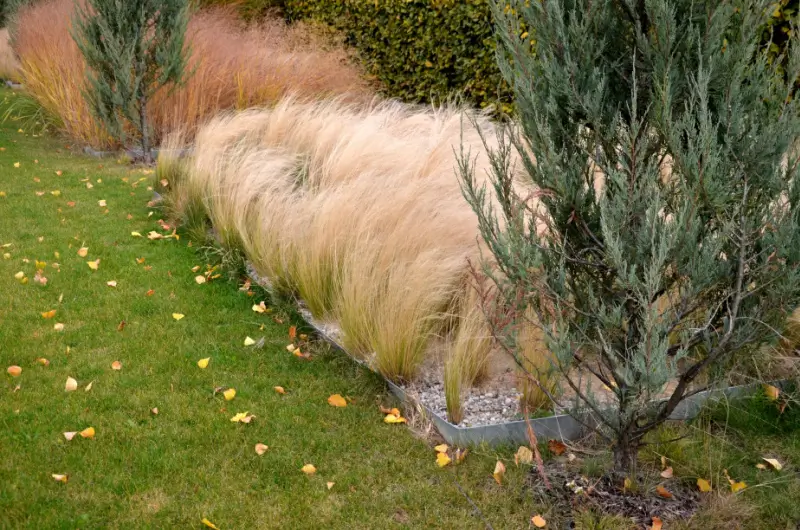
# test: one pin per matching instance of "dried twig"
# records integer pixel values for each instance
(534, 443)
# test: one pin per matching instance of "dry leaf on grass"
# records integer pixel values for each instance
(209, 524)
(94, 265)
(538, 521)
(656, 523)
(248, 341)
(43, 361)
(337, 400)
(58, 326)
(391, 418)
(667, 473)
(308, 469)
(112, 283)
(523, 456)
(556, 447)
(116, 365)
(203, 363)
(261, 449)
(14, 370)
(771, 392)
(229, 394)
(777, 466)
(69, 435)
(200, 279)
(442, 459)
(70, 385)
(59, 478)
(499, 472)
(703, 485)
(663, 492)
(178, 316)
(279, 390)
(441, 448)
(88, 432)
(49, 314)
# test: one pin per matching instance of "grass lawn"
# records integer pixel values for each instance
(189, 461)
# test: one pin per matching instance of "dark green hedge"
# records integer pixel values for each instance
(419, 50)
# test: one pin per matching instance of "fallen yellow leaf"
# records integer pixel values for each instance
(58, 326)
(761, 466)
(259, 308)
(154, 235)
(229, 394)
(248, 341)
(101, 203)
(49, 314)
(499, 471)
(441, 448)
(538, 521)
(442, 459)
(771, 392)
(308, 469)
(116, 365)
(40, 264)
(19, 276)
(136, 234)
(59, 478)
(83, 252)
(656, 523)
(59, 172)
(663, 492)
(777, 466)
(154, 411)
(737, 486)
(70, 385)
(112, 283)
(242, 417)
(391, 418)
(330, 484)
(69, 435)
(43, 361)
(203, 363)
(627, 484)
(523, 456)
(88, 432)
(14, 370)
(209, 524)
(177, 316)
(291, 348)
(94, 265)
(279, 390)
(200, 279)
(261, 449)
(89, 386)
(16, 164)
(337, 400)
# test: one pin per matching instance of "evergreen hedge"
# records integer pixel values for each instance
(419, 50)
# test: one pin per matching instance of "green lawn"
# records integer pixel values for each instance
(190, 461)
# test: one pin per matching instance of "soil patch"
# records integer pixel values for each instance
(571, 491)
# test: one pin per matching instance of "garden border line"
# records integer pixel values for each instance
(559, 427)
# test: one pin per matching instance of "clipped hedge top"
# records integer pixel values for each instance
(419, 50)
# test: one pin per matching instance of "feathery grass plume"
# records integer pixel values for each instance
(234, 66)
(9, 65)
(356, 209)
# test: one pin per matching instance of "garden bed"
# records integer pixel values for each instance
(504, 424)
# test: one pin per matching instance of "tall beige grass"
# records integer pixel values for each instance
(357, 210)
(234, 66)
(9, 65)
